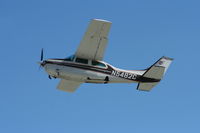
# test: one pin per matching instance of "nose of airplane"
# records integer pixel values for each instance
(42, 63)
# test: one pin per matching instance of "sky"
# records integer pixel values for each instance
(142, 31)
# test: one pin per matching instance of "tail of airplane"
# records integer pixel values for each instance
(156, 71)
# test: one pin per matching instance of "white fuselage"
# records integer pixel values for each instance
(89, 74)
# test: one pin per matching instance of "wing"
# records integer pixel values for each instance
(67, 85)
(93, 44)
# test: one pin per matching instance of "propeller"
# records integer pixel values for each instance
(42, 63)
(42, 52)
(41, 58)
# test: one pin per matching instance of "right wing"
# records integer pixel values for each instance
(68, 85)
(95, 39)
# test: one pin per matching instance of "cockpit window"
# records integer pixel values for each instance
(70, 58)
(96, 63)
(83, 61)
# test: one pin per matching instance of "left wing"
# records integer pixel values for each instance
(68, 85)
(93, 44)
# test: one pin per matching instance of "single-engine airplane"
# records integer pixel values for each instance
(87, 65)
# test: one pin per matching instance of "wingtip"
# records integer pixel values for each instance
(103, 20)
(168, 58)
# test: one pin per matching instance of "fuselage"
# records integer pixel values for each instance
(90, 71)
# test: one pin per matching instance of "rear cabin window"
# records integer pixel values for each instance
(83, 61)
(96, 63)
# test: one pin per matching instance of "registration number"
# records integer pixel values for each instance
(123, 75)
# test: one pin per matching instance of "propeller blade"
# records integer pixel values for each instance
(41, 58)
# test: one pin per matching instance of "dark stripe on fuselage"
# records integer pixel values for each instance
(107, 70)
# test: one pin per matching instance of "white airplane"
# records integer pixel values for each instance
(86, 65)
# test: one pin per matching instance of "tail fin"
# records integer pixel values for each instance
(156, 71)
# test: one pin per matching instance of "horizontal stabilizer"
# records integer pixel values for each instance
(146, 86)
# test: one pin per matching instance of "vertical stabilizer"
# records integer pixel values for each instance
(156, 72)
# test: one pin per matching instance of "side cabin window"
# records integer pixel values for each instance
(99, 64)
(70, 58)
(83, 61)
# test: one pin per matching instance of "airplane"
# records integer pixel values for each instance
(87, 65)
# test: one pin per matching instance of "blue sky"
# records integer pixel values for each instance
(142, 31)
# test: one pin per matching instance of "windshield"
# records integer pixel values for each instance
(70, 58)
